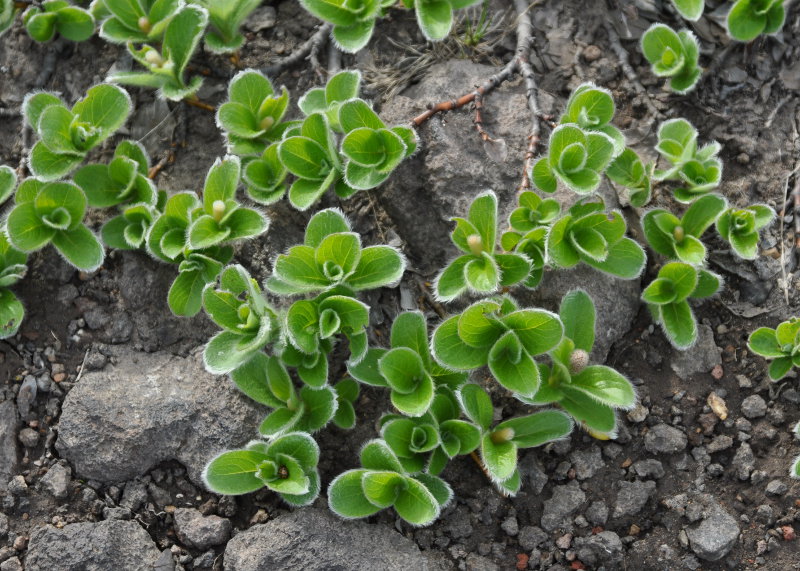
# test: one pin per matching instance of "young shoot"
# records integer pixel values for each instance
(674, 55)
(740, 227)
(12, 269)
(226, 18)
(480, 268)
(780, 345)
(689, 9)
(748, 19)
(53, 17)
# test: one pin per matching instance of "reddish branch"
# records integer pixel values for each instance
(520, 64)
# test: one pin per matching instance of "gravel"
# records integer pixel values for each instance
(8, 442)
(754, 406)
(715, 536)
(664, 439)
(632, 497)
(744, 461)
(199, 531)
(56, 481)
(561, 506)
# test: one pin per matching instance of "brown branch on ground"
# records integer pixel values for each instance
(309, 50)
(519, 65)
(627, 69)
(168, 158)
(195, 102)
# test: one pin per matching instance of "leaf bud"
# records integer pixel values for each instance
(144, 24)
(475, 244)
(266, 122)
(679, 234)
(218, 209)
(154, 58)
(502, 435)
(578, 361)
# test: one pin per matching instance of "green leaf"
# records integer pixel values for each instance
(357, 113)
(75, 24)
(483, 216)
(500, 459)
(679, 324)
(25, 229)
(304, 157)
(482, 274)
(416, 504)
(476, 405)
(105, 107)
(764, 342)
(683, 278)
(537, 329)
(251, 379)
(320, 406)
(346, 496)
(299, 267)
(48, 165)
(353, 37)
(513, 268)
(587, 411)
(559, 247)
(249, 88)
(382, 488)
(543, 177)
(744, 22)
(689, 9)
(366, 371)
(55, 129)
(779, 368)
(343, 86)
(11, 314)
(234, 473)
(512, 367)
(478, 325)
(605, 385)
(708, 283)
(435, 18)
(451, 282)
(660, 291)
(80, 247)
(702, 214)
(578, 316)
(449, 350)
(538, 428)
(323, 224)
(376, 455)
(184, 296)
(378, 266)
(182, 35)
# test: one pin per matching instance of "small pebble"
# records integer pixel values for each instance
(592, 53)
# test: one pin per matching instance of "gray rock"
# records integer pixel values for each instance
(117, 513)
(649, 468)
(91, 547)
(561, 506)
(56, 481)
(17, 485)
(199, 531)
(664, 439)
(530, 537)
(29, 437)
(744, 461)
(754, 407)
(27, 396)
(316, 540)
(700, 358)
(510, 526)
(134, 496)
(587, 462)
(8, 442)
(13, 564)
(532, 472)
(149, 408)
(597, 513)
(604, 548)
(632, 497)
(3, 524)
(720, 443)
(777, 488)
(715, 536)
(475, 562)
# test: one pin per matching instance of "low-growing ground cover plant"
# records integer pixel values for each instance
(58, 17)
(226, 18)
(781, 345)
(139, 21)
(674, 55)
(748, 19)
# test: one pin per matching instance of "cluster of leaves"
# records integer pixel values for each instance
(12, 266)
(354, 21)
(747, 19)
(698, 170)
(58, 17)
(674, 55)
(780, 345)
(272, 148)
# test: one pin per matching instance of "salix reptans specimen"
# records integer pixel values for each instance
(697, 169)
(750, 18)
(479, 269)
(780, 345)
(679, 238)
(286, 465)
(382, 482)
(60, 17)
(52, 213)
(501, 442)
(674, 55)
(497, 333)
(667, 297)
(628, 171)
(590, 234)
(166, 67)
(407, 368)
(689, 9)
(332, 256)
(592, 108)
(137, 21)
(740, 227)
(226, 17)
(591, 394)
(67, 135)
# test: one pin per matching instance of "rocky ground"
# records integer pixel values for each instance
(107, 416)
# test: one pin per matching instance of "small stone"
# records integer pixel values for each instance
(13, 564)
(263, 18)
(201, 532)
(601, 550)
(587, 462)
(59, 377)
(788, 533)
(720, 443)
(638, 414)
(530, 537)
(17, 485)
(56, 481)
(777, 488)
(592, 53)
(118, 513)
(717, 372)
(559, 509)
(510, 526)
(765, 514)
(597, 513)
(28, 437)
(649, 468)
(632, 497)
(26, 396)
(715, 536)
(754, 406)
(744, 382)
(3, 524)
(564, 541)
(717, 404)
(20, 543)
(664, 439)
(744, 461)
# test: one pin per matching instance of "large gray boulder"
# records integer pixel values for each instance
(8, 442)
(118, 423)
(316, 540)
(110, 544)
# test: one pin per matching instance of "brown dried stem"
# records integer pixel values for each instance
(310, 49)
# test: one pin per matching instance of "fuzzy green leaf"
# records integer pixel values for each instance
(346, 496)
(538, 428)
(476, 405)
(234, 473)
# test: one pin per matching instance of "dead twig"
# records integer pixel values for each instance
(310, 49)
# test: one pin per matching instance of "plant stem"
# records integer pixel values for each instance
(312, 46)
(194, 101)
